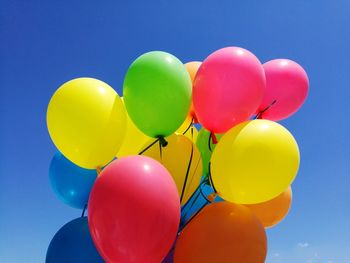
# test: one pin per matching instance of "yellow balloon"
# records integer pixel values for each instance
(176, 158)
(86, 122)
(254, 162)
(133, 141)
(186, 129)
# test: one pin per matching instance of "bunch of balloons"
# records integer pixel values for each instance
(157, 190)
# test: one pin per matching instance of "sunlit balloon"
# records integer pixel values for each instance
(157, 93)
(254, 162)
(86, 122)
(222, 232)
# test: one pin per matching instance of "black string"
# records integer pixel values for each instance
(160, 151)
(149, 146)
(189, 126)
(187, 172)
(195, 191)
(209, 142)
(268, 107)
(84, 209)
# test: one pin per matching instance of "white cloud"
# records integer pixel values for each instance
(303, 245)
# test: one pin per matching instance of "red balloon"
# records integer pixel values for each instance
(228, 88)
(286, 89)
(134, 211)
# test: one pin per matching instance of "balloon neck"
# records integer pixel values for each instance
(98, 170)
(260, 114)
(162, 141)
(212, 197)
(194, 118)
(213, 138)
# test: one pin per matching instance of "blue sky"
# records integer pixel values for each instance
(45, 43)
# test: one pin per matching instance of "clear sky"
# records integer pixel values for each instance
(45, 43)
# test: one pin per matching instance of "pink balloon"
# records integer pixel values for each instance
(134, 211)
(228, 88)
(286, 84)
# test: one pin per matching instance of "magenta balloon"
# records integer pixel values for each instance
(134, 211)
(287, 84)
(228, 88)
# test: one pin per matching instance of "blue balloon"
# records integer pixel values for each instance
(73, 244)
(71, 183)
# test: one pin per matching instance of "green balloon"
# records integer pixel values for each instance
(203, 146)
(157, 93)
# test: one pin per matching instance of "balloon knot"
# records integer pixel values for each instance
(162, 141)
(212, 197)
(213, 138)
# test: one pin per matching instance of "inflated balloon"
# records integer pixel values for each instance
(134, 211)
(202, 143)
(72, 244)
(71, 183)
(157, 93)
(228, 88)
(273, 211)
(183, 160)
(133, 141)
(254, 162)
(286, 89)
(86, 121)
(188, 129)
(192, 68)
(222, 232)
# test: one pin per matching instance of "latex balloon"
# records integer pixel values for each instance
(180, 161)
(134, 211)
(72, 244)
(192, 68)
(157, 93)
(133, 141)
(254, 162)
(273, 211)
(71, 183)
(190, 131)
(228, 88)
(202, 143)
(286, 88)
(86, 121)
(222, 232)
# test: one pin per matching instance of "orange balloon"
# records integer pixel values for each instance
(273, 211)
(192, 68)
(222, 232)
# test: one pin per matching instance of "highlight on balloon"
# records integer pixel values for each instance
(188, 164)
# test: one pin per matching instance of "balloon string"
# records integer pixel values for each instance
(209, 142)
(84, 209)
(192, 200)
(189, 126)
(210, 178)
(259, 115)
(160, 151)
(195, 192)
(149, 146)
(187, 172)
